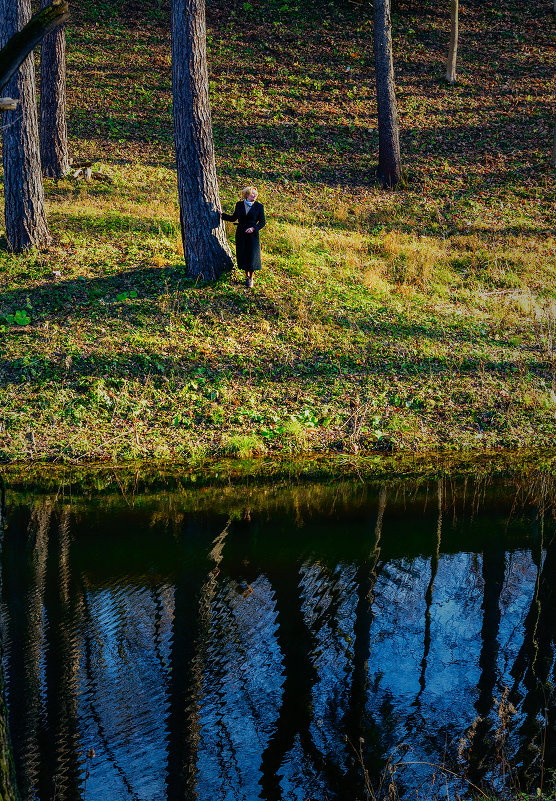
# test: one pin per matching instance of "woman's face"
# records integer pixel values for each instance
(252, 197)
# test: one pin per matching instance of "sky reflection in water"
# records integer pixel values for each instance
(237, 644)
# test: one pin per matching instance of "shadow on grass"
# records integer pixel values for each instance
(54, 300)
(125, 297)
(317, 365)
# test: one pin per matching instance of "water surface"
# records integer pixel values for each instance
(272, 643)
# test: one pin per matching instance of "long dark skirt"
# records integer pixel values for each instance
(248, 250)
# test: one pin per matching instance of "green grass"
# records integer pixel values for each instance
(414, 320)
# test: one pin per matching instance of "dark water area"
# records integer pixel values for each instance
(278, 642)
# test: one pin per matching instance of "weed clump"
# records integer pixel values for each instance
(243, 446)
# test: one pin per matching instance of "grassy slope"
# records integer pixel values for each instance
(418, 319)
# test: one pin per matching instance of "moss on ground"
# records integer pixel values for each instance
(412, 320)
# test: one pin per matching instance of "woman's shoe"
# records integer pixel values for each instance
(250, 283)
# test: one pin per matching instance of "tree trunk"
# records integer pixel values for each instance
(206, 250)
(451, 76)
(53, 128)
(25, 212)
(554, 142)
(389, 160)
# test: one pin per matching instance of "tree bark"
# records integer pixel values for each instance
(389, 159)
(451, 76)
(25, 212)
(53, 127)
(206, 250)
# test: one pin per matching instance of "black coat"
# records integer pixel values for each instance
(248, 250)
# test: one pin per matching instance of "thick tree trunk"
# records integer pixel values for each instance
(25, 212)
(205, 246)
(389, 159)
(451, 76)
(53, 128)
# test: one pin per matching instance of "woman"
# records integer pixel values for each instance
(249, 214)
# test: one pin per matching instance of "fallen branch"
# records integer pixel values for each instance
(98, 176)
(76, 164)
(84, 169)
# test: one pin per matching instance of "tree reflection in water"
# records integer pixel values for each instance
(247, 643)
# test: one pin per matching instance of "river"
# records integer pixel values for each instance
(341, 640)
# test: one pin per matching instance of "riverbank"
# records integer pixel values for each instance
(533, 474)
(423, 319)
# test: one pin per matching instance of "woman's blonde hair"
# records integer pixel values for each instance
(249, 190)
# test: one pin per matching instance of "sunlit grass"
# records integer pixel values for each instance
(416, 319)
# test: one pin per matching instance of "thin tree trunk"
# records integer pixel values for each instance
(53, 128)
(25, 212)
(206, 250)
(389, 159)
(451, 76)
